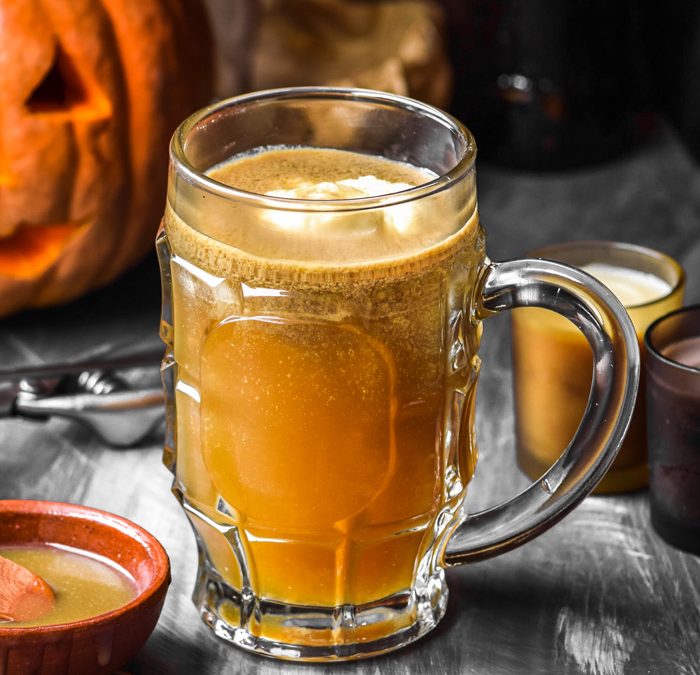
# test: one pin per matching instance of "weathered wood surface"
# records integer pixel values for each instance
(599, 594)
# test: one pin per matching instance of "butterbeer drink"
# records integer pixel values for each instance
(553, 363)
(324, 283)
(310, 393)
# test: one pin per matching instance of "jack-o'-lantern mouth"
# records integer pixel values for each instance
(31, 249)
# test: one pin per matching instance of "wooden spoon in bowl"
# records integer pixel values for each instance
(24, 596)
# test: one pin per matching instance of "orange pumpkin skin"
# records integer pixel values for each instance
(90, 93)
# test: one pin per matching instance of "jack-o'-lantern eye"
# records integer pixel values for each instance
(63, 92)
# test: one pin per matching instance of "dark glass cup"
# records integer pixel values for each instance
(673, 426)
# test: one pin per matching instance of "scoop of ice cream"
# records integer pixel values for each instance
(340, 223)
(346, 188)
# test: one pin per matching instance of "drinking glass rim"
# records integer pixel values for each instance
(653, 349)
(464, 165)
(542, 251)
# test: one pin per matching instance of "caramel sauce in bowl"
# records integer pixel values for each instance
(98, 644)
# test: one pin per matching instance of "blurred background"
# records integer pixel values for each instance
(586, 115)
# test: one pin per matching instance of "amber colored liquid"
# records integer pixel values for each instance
(325, 414)
(83, 584)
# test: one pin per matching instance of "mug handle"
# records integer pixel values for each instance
(599, 315)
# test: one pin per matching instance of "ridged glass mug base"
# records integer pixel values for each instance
(307, 633)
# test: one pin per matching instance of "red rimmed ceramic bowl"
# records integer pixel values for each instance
(100, 644)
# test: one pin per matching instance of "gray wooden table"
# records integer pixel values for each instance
(598, 594)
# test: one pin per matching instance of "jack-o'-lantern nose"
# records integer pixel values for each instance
(60, 89)
(63, 93)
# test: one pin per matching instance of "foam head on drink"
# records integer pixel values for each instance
(316, 375)
(631, 287)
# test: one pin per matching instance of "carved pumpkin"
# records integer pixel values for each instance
(90, 93)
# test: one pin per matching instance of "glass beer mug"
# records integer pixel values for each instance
(321, 367)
